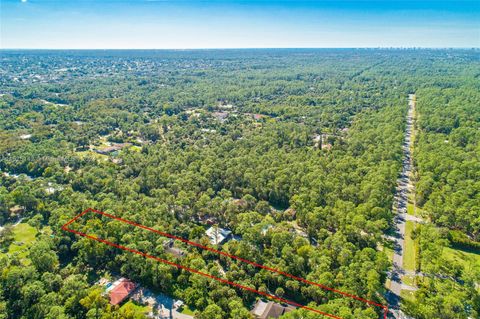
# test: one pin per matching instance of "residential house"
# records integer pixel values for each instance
(168, 245)
(16, 210)
(265, 310)
(208, 219)
(111, 149)
(25, 136)
(121, 290)
(266, 228)
(221, 116)
(225, 106)
(218, 235)
(290, 213)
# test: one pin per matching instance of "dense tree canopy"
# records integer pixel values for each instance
(296, 151)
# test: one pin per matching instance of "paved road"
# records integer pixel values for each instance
(400, 207)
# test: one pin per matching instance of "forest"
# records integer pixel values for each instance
(296, 152)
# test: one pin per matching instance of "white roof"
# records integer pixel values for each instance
(217, 235)
(260, 307)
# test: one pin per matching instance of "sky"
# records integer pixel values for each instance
(192, 24)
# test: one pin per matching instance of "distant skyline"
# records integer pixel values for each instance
(188, 24)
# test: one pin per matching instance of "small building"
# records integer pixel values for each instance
(122, 288)
(140, 141)
(117, 161)
(221, 116)
(317, 138)
(51, 189)
(208, 220)
(225, 106)
(25, 136)
(178, 304)
(218, 235)
(206, 130)
(265, 310)
(325, 141)
(266, 228)
(169, 247)
(241, 203)
(111, 149)
(290, 213)
(16, 210)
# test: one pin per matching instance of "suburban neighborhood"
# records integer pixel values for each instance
(161, 306)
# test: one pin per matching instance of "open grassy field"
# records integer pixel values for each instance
(410, 209)
(409, 257)
(409, 280)
(92, 154)
(137, 308)
(24, 232)
(465, 258)
(136, 148)
(387, 248)
(408, 295)
(389, 252)
(24, 236)
(388, 283)
(187, 311)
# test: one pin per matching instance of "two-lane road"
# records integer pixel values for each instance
(400, 207)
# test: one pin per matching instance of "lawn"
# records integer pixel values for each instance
(410, 209)
(410, 251)
(388, 284)
(136, 148)
(389, 252)
(24, 232)
(47, 230)
(465, 258)
(136, 307)
(409, 280)
(24, 236)
(92, 154)
(387, 248)
(408, 295)
(187, 311)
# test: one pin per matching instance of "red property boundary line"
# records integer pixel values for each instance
(65, 227)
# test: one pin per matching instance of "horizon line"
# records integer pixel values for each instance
(245, 48)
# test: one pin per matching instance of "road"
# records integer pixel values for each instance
(404, 186)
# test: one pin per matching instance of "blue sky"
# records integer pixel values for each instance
(181, 24)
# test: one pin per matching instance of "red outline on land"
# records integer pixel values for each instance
(64, 227)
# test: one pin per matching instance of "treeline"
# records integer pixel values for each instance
(447, 166)
(447, 156)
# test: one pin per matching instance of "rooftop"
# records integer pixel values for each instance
(218, 235)
(265, 310)
(123, 288)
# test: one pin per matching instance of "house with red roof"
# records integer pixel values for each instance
(122, 288)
